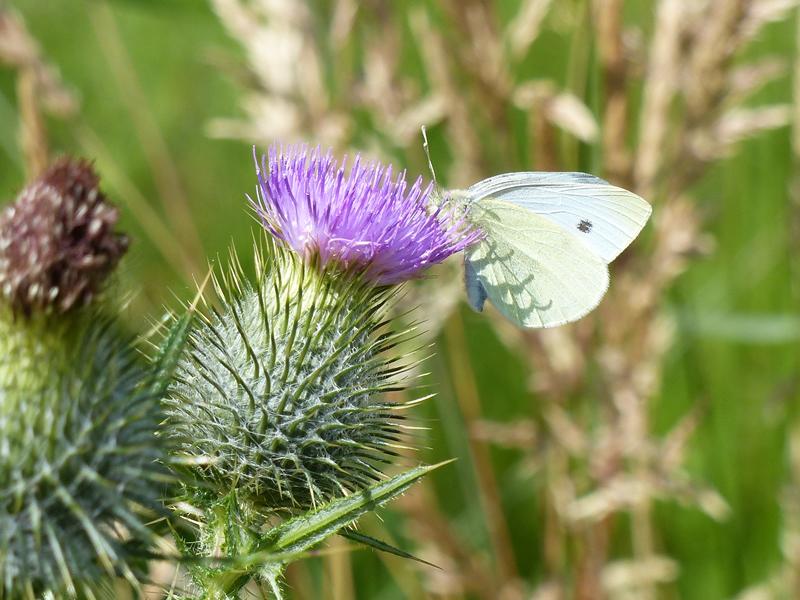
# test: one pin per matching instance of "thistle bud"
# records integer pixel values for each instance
(279, 396)
(79, 464)
(278, 404)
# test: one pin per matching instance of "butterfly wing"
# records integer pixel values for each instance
(533, 273)
(603, 217)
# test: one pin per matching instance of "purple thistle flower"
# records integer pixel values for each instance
(364, 220)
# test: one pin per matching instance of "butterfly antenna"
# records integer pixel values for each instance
(426, 147)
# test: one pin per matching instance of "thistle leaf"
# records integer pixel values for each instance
(171, 348)
(355, 536)
(304, 531)
(293, 539)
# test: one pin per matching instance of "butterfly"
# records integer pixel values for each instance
(548, 240)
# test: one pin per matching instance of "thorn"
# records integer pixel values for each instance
(200, 289)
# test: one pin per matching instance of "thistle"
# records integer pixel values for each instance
(279, 395)
(57, 243)
(79, 471)
(365, 221)
(278, 404)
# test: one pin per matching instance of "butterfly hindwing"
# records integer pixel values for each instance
(533, 273)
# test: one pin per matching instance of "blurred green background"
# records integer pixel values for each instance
(702, 327)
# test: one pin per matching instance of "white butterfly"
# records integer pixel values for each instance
(548, 239)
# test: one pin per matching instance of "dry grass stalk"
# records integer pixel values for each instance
(615, 80)
(39, 88)
(479, 54)
(795, 140)
(660, 86)
(469, 401)
(463, 571)
(19, 50)
(523, 30)
(467, 161)
(290, 98)
(548, 105)
(167, 178)
(635, 336)
(33, 136)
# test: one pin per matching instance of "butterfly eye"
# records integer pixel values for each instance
(585, 226)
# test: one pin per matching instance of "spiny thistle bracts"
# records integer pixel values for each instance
(57, 241)
(366, 221)
(279, 395)
(79, 461)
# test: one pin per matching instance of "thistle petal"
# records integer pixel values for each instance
(366, 220)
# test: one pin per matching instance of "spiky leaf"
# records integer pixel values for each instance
(293, 538)
(304, 531)
(380, 545)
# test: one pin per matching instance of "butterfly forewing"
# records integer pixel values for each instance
(603, 217)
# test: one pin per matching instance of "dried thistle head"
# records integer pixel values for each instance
(81, 467)
(57, 241)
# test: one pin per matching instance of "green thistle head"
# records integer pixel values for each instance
(279, 395)
(80, 464)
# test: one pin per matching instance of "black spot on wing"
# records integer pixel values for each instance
(585, 226)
